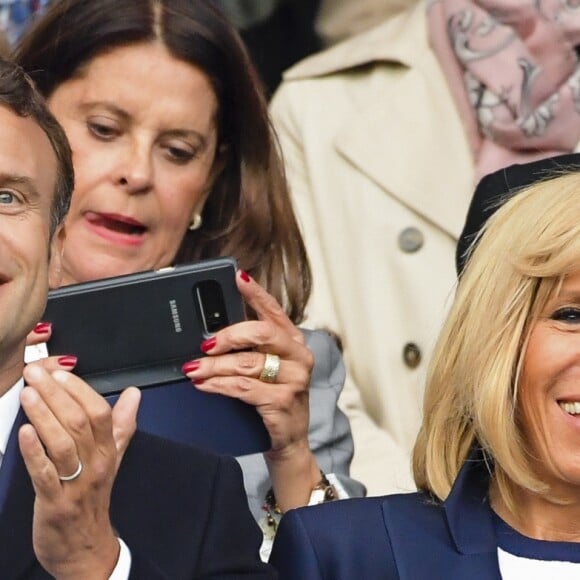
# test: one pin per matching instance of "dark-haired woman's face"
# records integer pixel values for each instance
(143, 133)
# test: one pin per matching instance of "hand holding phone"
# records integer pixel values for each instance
(139, 330)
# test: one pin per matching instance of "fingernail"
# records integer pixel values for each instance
(67, 361)
(190, 366)
(244, 276)
(197, 382)
(60, 376)
(29, 395)
(208, 344)
(43, 328)
(34, 372)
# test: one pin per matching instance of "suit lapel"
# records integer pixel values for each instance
(16, 510)
(434, 176)
(423, 548)
(460, 532)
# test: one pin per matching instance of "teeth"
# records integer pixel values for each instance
(570, 408)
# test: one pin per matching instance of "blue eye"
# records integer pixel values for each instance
(567, 314)
(7, 197)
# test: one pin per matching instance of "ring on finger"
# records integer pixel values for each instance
(74, 475)
(271, 368)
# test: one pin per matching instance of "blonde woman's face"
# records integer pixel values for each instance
(549, 398)
(142, 127)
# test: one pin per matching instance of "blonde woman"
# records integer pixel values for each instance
(496, 460)
(384, 137)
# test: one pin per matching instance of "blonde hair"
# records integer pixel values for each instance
(517, 264)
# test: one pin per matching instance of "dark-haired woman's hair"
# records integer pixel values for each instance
(248, 214)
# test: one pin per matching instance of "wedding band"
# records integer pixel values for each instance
(74, 475)
(271, 368)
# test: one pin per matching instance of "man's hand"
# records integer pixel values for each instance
(71, 423)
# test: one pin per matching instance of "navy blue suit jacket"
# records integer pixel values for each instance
(182, 512)
(398, 537)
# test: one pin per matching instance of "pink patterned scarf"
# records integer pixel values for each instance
(513, 70)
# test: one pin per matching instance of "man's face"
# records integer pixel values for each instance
(28, 172)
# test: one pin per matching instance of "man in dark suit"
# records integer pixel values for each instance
(81, 494)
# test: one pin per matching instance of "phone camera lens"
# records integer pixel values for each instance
(212, 305)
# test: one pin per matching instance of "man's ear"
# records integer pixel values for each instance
(55, 258)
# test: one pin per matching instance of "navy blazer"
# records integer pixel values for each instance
(183, 514)
(398, 537)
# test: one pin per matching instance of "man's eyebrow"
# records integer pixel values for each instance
(20, 181)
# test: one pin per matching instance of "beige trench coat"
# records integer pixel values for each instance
(382, 176)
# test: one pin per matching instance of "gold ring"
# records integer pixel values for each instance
(73, 475)
(271, 368)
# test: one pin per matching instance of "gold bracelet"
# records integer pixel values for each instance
(322, 492)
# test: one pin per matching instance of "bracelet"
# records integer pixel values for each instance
(322, 492)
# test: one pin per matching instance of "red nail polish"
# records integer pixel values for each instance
(190, 366)
(67, 361)
(244, 276)
(208, 344)
(43, 328)
(197, 382)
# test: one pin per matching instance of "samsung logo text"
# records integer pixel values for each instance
(175, 315)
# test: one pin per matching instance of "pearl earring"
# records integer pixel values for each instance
(196, 222)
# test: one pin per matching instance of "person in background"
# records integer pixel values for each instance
(82, 495)
(15, 16)
(384, 137)
(175, 161)
(496, 460)
(277, 33)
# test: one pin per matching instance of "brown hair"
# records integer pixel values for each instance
(18, 94)
(248, 214)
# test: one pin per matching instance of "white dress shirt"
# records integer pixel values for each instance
(9, 406)
(514, 567)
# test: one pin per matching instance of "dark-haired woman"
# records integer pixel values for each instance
(175, 161)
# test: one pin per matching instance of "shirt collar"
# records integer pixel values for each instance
(9, 406)
(467, 507)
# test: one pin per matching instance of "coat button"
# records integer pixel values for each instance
(410, 240)
(412, 355)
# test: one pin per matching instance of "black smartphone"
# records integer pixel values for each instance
(139, 329)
